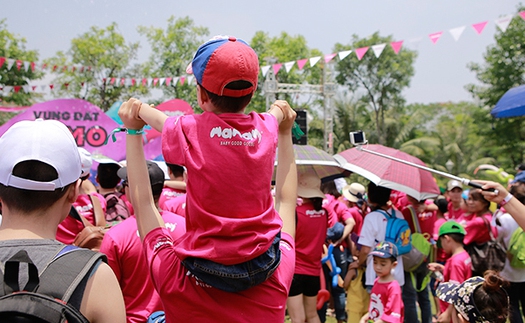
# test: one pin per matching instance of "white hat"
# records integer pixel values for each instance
(354, 192)
(48, 141)
(101, 159)
(86, 161)
(453, 184)
(309, 186)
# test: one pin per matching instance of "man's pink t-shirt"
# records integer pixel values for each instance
(457, 269)
(123, 248)
(167, 194)
(454, 214)
(187, 299)
(70, 227)
(386, 302)
(177, 205)
(230, 157)
(310, 236)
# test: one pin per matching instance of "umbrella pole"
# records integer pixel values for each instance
(464, 181)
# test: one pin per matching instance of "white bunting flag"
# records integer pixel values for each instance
(456, 32)
(161, 81)
(10, 63)
(288, 66)
(27, 66)
(378, 49)
(174, 81)
(314, 60)
(344, 54)
(265, 69)
(190, 78)
(150, 81)
(503, 22)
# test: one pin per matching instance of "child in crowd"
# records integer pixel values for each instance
(457, 268)
(386, 304)
(232, 228)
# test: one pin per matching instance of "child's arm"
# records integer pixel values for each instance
(364, 318)
(155, 118)
(176, 185)
(286, 174)
(277, 109)
(148, 217)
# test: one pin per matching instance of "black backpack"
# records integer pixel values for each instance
(45, 298)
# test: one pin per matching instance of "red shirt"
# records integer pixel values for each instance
(454, 214)
(476, 227)
(457, 269)
(386, 302)
(310, 236)
(167, 194)
(426, 220)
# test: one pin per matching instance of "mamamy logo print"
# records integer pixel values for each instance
(244, 138)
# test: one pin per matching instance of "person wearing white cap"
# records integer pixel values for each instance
(39, 181)
(456, 206)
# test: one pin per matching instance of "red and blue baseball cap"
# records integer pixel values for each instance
(384, 249)
(222, 60)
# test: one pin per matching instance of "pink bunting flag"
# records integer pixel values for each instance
(17, 88)
(32, 66)
(522, 15)
(2, 61)
(168, 81)
(276, 68)
(144, 81)
(300, 63)
(182, 79)
(329, 57)
(479, 27)
(435, 36)
(19, 64)
(360, 52)
(51, 86)
(112, 81)
(33, 88)
(122, 81)
(155, 81)
(396, 46)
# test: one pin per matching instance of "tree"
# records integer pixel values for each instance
(504, 68)
(105, 58)
(378, 82)
(172, 51)
(12, 47)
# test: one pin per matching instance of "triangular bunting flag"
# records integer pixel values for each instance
(127, 82)
(43, 87)
(150, 81)
(8, 88)
(456, 32)
(301, 62)
(378, 49)
(314, 60)
(112, 81)
(189, 80)
(155, 81)
(51, 86)
(17, 88)
(503, 22)
(73, 69)
(44, 66)
(168, 81)
(344, 54)
(64, 69)
(161, 81)
(276, 68)
(32, 66)
(360, 52)
(2, 61)
(10, 63)
(123, 81)
(174, 81)
(396, 46)
(479, 27)
(66, 85)
(26, 66)
(435, 36)
(265, 69)
(133, 81)
(33, 88)
(81, 70)
(522, 15)
(329, 57)
(182, 79)
(288, 66)
(19, 64)
(144, 81)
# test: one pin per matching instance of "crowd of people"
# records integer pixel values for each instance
(209, 242)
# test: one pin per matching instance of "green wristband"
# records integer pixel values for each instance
(135, 132)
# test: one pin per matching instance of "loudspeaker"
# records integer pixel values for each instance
(301, 121)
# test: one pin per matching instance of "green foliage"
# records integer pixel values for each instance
(504, 68)
(105, 55)
(172, 51)
(14, 47)
(378, 82)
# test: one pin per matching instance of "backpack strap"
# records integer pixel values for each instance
(415, 220)
(65, 271)
(98, 213)
(9, 278)
(489, 227)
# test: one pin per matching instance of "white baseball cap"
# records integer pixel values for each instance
(48, 141)
(86, 161)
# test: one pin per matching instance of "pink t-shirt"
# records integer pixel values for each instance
(70, 227)
(454, 214)
(441, 255)
(386, 302)
(399, 199)
(177, 205)
(310, 236)
(457, 269)
(167, 194)
(123, 248)
(187, 299)
(476, 228)
(358, 217)
(230, 216)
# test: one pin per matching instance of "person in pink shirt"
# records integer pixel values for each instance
(477, 220)
(177, 174)
(457, 268)
(354, 196)
(456, 207)
(70, 227)
(312, 222)
(185, 297)
(176, 205)
(386, 303)
(123, 248)
(224, 146)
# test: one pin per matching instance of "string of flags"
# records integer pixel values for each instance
(502, 23)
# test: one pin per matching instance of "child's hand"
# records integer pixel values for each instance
(288, 115)
(434, 266)
(129, 112)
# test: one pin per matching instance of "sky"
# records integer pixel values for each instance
(441, 71)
